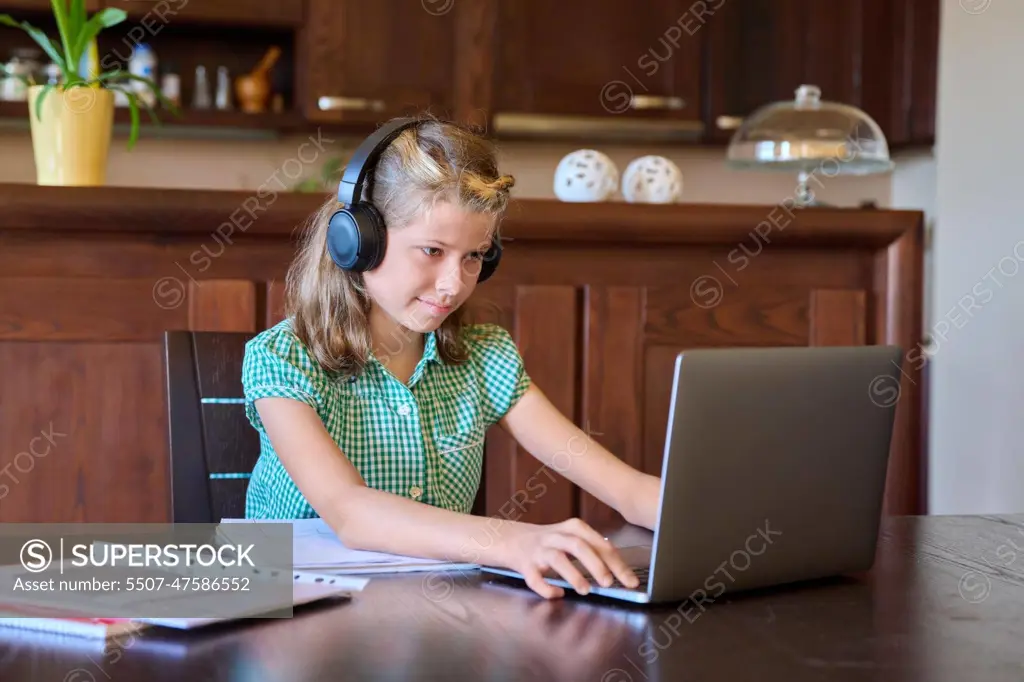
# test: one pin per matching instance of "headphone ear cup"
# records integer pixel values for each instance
(490, 261)
(356, 238)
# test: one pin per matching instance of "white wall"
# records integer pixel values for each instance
(978, 384)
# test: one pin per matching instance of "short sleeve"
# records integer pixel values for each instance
(504, 378)
(278, 365)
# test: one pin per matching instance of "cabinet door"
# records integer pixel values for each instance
(544, 320)
(754, 57)
(222, 12)
(900, 66)
(369, 61)
(586, 58)
(633, 334)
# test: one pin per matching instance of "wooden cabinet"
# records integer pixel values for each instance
(369, 61)
(666, 71)
(598, 310)
(582, 58)
(878, 55)
(232, 12)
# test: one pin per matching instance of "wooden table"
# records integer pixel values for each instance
(945, 602)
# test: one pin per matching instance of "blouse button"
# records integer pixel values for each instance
(404, 410)
(415, 492)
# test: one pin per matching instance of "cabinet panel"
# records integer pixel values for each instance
(543, 320)
(754, 57)
(924, 69)
(369, 61)
(612, 381)
(83, 432)
(628, 379)
(582, 58)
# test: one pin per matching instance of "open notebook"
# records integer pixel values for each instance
(317, 548)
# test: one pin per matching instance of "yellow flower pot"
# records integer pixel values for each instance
(71, 137)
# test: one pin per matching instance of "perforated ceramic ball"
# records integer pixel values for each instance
(652, 180)
(586, 175)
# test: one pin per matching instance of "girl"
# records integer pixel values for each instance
(373, 396)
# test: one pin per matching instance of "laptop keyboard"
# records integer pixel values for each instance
(632, 555)
(642, 574)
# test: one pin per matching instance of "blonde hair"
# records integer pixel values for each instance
(433, 161)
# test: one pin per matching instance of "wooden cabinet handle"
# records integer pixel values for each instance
(349, 103)
(656, 102)
(729, 122)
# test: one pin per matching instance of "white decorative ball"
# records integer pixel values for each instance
(652, 180)
(586, 175)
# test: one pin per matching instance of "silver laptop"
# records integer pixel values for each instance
(774, 472)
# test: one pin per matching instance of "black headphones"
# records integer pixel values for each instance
(356, 234)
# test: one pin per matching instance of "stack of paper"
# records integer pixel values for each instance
(316, 548)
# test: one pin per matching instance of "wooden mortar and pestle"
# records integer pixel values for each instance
(253, 89)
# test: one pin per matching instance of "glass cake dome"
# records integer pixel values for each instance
(809, 136)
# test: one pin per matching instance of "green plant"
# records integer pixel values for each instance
(330, 176)
(77, 34)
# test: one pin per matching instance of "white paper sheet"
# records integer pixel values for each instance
(317, 548)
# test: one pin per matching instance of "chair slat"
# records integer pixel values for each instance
(219, 363)
(231, 442)
(227, 498)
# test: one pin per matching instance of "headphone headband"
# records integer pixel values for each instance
(350, 189)
(356, 232)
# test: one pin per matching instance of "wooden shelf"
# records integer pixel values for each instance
(285, 122)
(212, 118)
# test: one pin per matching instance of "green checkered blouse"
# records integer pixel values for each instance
(423, 440)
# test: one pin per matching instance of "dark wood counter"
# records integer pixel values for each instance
(599, 296)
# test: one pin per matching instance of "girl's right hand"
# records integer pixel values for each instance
(539, 551)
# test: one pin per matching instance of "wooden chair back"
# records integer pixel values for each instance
(213, 447)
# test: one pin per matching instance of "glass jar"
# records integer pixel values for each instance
(24, 63)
